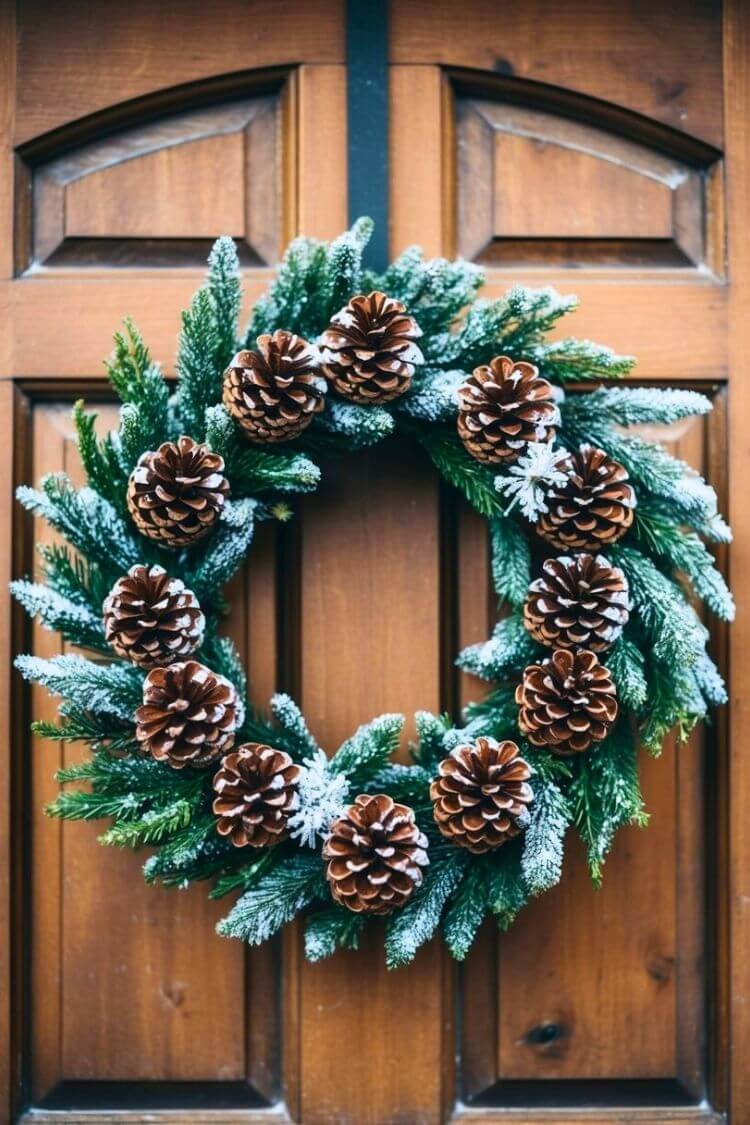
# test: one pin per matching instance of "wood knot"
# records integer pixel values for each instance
(548, 1038)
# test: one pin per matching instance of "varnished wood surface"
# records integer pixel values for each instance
(342, 607)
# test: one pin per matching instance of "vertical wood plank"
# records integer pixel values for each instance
(417, 189)
(321, 168)
(735, 961)
(370, 642)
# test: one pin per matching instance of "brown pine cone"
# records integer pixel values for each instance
(579, 602)
(502, 406)
(566, 702)
(176, 493)
(481, 798)
(256, 787)
(275, 392)
(595, 506)
(152, 619)
(189, 715)
(375, 855)
(368, 349)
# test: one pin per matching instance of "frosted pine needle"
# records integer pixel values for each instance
(321, 800)
(529, 481)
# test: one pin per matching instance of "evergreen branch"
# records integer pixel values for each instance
(89, 523)
(74, 622)
(627, 664)
(331, 929)
(656, 530)
(213, 564)
(434, 291)
(670, 623)
(73, 578)
(152, 828)
(542, 855)
(244, 876)
(675, 703)
(252, 470)
(631, 406)
(509, 649)
(605, 795)
(293, 724)
(101, 732)
(433, 396)
(431, 732)
(200, 377)
(410, 784)
(415, 924)
(359, 426)
(100, 459)
(506, 891)
(115, 689)
(225, 291)
(511, 560)
(368, 750)
(571, 360)
(475, 481)
(466, 911)
(275, 899)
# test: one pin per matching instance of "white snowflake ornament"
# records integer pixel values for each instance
(528, 482)
(321, 799)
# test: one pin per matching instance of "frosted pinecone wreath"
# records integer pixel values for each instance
(599, 559)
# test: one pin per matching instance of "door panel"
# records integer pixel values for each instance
(579, 146)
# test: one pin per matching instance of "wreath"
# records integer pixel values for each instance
(599, 557)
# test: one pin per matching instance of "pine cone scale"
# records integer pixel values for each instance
(375, 853)
(177, 492)
(593, 508)
(274, 392)
(502, 406)
(481, 795)
(369, 351)
(578, 602)
(256, 794)
(188, 715)
(567, 702)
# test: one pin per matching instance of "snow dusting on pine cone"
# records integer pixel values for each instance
(368, 349)
(177, 492)
(275, 392)
(375, 855)
(151, 618)
(256, 793)
(567, 702)
(188, 716)
(481, 796)
(580, 601)
(503, 406)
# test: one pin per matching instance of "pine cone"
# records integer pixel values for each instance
(566, 702)
(480, 800)
(189, 715)
(595, 506)
(375, 855)
(256, 787)
(368, 349)
(176, 493)
(579, 602)
(502, 406)
(275, 392)
(152, 619)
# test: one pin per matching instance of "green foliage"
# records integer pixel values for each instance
(433, 396)
(431, 732)
(506, 891)
(357, 426)
(409, 784)
(496, 714)
(575, 361)
(656, 530)
(416, 922)
(113, 689)
(101, 731)
(509, 649)
(225, 293)
(73, 578)
(275, 899)
(214, 561)
(100, 459)
(512, 325)
(368, 750)
(627, 664)
(76, 623)
(542, 855)
(89, 523)
(331, 929)
(466, 911)
(200, 377)
(244, 876)
(144, 392)
(292, 723)
(475, 481)
(434, 291)
(630, 406)
(605, 795)
(314, 281)
(511, 560)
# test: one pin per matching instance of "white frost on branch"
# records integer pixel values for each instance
(529, 481)
(321, 799)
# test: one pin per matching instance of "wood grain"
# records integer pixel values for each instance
(735, 964)
(662, 60)
(370, 643)
(66, 72)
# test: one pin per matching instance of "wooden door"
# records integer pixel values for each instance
(598, 148)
